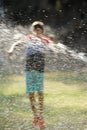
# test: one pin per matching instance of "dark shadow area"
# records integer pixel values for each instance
(67, 17)
(56, 13)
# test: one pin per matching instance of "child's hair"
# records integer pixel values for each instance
(38, 24)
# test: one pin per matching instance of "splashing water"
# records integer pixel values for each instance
(15, 112)
(63, 56)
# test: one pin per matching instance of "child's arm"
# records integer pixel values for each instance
(53, 47)
(50, 44)
(10, 51)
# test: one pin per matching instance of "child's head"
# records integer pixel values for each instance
(38, 27)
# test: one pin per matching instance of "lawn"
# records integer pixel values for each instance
(65, 102)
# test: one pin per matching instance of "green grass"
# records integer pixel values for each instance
(65, 102)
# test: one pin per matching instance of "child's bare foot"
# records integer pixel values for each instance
(36, 123)
(42, 124)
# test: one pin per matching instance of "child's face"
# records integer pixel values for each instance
(38, 31)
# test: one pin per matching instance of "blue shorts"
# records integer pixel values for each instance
(34, 81)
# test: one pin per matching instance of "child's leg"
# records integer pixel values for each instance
(32, 101)
(41, 103)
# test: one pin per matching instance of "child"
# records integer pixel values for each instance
(35, 64)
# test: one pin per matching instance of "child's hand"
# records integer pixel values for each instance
(10, 52)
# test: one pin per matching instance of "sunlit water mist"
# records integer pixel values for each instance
(65, 58)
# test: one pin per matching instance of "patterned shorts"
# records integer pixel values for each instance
(34, 81)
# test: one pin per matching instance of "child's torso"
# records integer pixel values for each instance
(35, 45)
